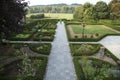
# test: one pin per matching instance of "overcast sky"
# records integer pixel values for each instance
(45, 2)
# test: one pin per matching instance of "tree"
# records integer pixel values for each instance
(114, 6)
(87, 5)
(101, 10)
(79, 13)
(12, 13)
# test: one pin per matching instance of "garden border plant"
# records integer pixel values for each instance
(74, 53)
(79, 71)
(45, 51)
(40, 75)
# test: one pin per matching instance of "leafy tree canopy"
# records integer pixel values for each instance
(12, 13)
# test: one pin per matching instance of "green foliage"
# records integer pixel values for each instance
(111, 55)
(55, 8)
(79, 13)
(38, 16)
(32, 68)
(114, 9)
(16, 52)
(87, 5)
(41, 48)
(20, 37)
(88, 14)
(12, 13)
(46, 32)
(84, 49)
(101, 9)
(88, 69)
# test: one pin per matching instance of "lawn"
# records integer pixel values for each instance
(55, 15)
(59, 15)
(91, 29)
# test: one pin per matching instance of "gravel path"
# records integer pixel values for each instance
(60, 65)
(113, 44)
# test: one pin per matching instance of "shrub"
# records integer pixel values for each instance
(76, 36)
(84, 50)
(97, 34)
(41, 48)
(37, 16)
(92, 36)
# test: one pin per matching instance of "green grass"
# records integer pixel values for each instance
(55, 15)
(92, 29)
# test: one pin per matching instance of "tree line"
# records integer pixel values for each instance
(54, 8)
(100, 10)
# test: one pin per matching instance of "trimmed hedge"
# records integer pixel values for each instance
(38, 16)
(111, 55)
(20, 39)
(98, 62)
(78, 68)
(41, 48)
(46, 33)
(74, 53)
(42, 67)
(89, 39)
(40, 74)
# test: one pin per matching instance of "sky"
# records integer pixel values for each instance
(46, 2)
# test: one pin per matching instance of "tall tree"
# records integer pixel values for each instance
(101, 9)
(88, 11)
(12, 13)
(87, 5)
(79, 13)
(88, 14)
(114, 6)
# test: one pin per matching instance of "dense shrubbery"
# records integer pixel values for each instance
(85, 68)
(45, 28)
(20, 37)
(41, 48)
(38, 16)
(46, 32)
(84, 49)
(42, 67)
(39, 63)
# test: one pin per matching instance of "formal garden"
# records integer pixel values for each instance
(94, 62)
(79, 31)
(59, 41)
(19, 57)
